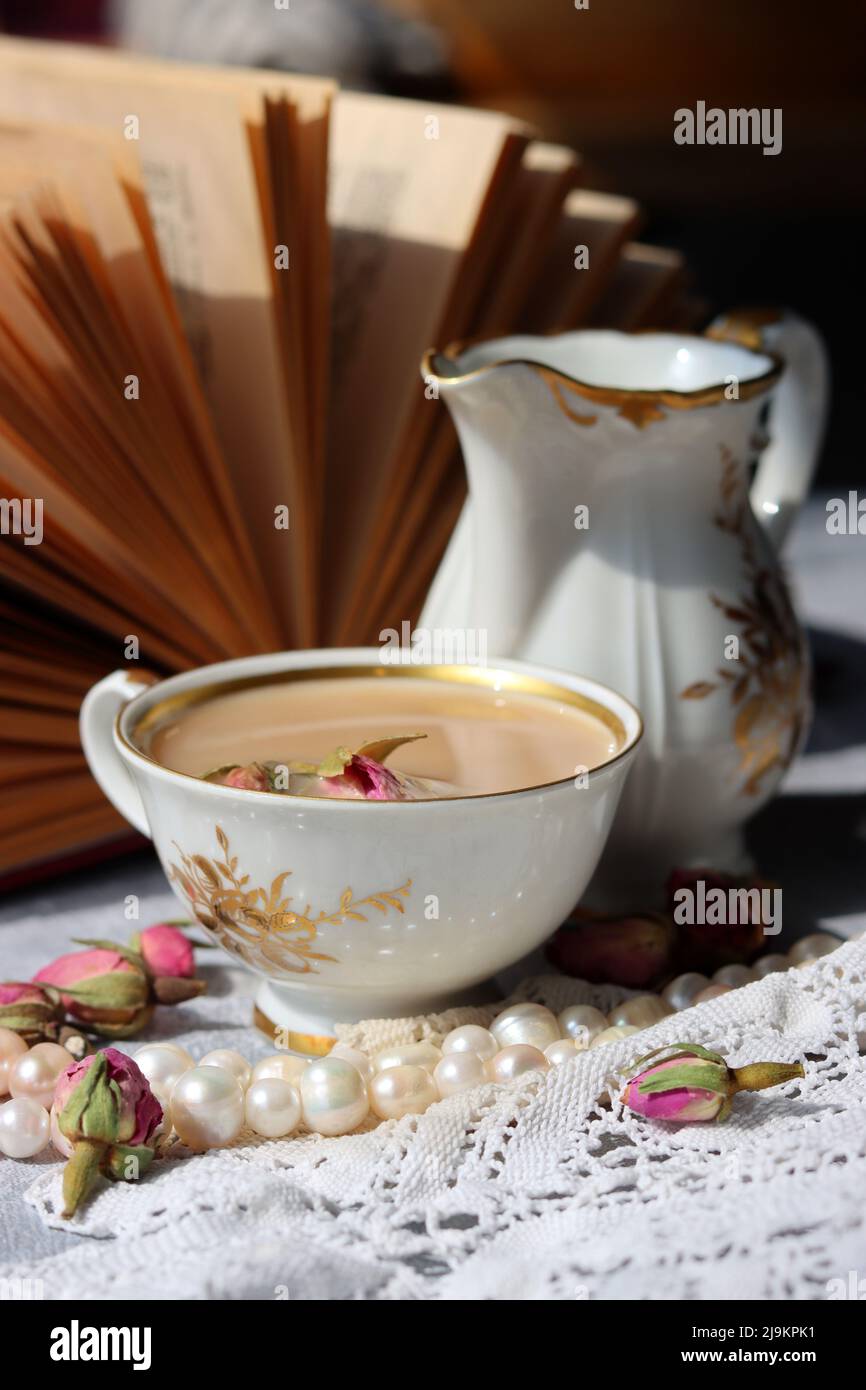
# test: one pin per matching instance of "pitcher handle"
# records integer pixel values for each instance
(99, 710)
(798, 413)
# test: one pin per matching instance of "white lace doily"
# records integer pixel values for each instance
(535, 1191)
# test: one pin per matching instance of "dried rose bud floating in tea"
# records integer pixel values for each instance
(480, 737)
(342, 774)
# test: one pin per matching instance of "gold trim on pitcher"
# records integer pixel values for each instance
(744, 327)
(767, 686)
(640, 406)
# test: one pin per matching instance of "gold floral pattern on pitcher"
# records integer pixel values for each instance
(259, 925)
(768, 690)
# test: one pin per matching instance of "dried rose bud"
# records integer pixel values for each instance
(708, 945)
(689, 1083)
(255, 777)
(161, 948)
(112, 988)
(104, 988)
(633, 951)
(166, 950)
(341, 775)
(106, 1110)
(19, 992)
(34, 1012)
(362, 775)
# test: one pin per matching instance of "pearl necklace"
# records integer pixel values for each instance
(208, 1103)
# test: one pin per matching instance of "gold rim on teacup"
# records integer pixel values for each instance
(492, 677)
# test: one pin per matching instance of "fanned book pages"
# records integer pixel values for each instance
(216, 287)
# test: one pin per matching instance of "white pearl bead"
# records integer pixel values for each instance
(514, 1061)
(531, 1024)
(770, 964)
(581, 1023)
(562, 1051)
(399, 1091)
(642, 1011)
(11, 1048)
(282, 1064)
(458, 1071)
(620, 1030)
(359, 1060)
(812, 947)
(229, 1061)
(163, 1064)
(35, 1073)
(272, 1107)
(680, 993)
(470, 1037)
(60, 1142)
(173, 1047)
(333, 1096)
(163, 1095)
(734, 975)
(714, 990)
(24, 1127)
(207, 1108)
(417, 1054)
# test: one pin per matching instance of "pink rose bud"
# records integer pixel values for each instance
(167, 951)
(112, 989)
(362, 776)
(632, 951)
(689, 1083)
(106, 1110)
(20, 992)
(342, 775)
(707, 944)
(252, 778)
(34, 1012)
(102, 987)
(363, 779)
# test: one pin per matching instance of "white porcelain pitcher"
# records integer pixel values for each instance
(612, 529)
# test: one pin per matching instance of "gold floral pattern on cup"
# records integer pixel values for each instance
(259, 925)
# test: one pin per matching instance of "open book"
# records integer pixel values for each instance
(216, 286)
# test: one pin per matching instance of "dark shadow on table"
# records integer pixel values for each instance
(814, 843)
(839, 663)
(815, 847)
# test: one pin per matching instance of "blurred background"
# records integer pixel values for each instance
(606, 80)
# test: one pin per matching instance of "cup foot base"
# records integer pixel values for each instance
(307, 1044)
(309, 1027)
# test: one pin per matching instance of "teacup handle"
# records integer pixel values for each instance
(99, 710)
(798, 413)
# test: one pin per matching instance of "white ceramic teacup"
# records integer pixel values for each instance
(357, 909)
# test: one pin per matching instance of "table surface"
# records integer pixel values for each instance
(811, 840)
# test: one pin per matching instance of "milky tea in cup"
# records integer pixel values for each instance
(481, 735)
